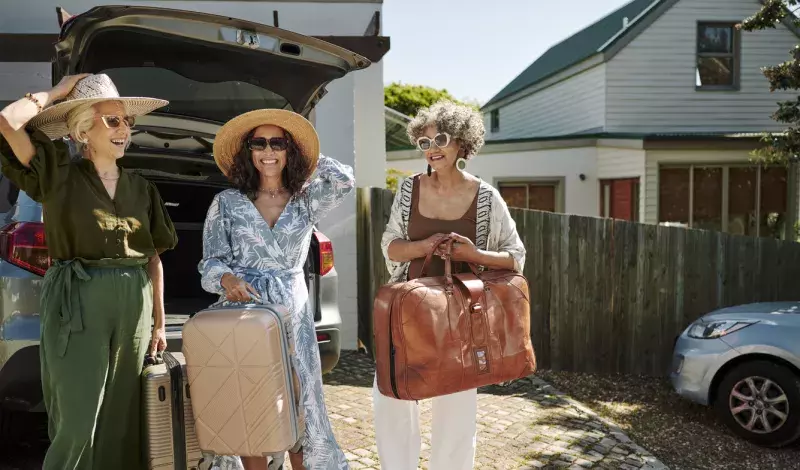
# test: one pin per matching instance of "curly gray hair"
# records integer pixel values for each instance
(460, 121)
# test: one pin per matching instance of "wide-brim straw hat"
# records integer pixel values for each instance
(90, 90)
(230, 137)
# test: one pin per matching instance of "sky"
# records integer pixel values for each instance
(473, 48)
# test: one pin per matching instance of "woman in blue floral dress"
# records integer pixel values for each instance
(255, 242)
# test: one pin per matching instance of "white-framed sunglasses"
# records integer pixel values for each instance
(112, 121)
(441, 140)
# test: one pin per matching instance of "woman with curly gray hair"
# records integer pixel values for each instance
(445, 200)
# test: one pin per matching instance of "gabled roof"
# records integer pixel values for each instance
(593, 39)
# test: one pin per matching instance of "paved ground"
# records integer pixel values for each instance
(523, 426)
(682, 434)
(527, 425)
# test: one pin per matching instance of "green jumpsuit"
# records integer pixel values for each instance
(96, 305)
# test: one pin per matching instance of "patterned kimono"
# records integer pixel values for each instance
(495, 231)
(237, 240)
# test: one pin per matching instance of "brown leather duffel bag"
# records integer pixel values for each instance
(440, 335)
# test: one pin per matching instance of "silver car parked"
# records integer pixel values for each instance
(745, 362)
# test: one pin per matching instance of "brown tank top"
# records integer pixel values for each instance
(421, 227)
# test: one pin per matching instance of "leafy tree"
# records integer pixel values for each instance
(393, 177)
(781, 148)
(409, 99)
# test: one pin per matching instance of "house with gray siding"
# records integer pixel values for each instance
(649, 114)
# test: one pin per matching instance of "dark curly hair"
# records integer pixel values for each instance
(245, 177)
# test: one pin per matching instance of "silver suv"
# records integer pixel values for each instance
(211, 69)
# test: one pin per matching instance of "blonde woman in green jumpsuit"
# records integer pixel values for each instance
(105, 228)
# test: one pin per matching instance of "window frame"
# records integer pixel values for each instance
(735, 55)
(725, 201)
(556, 182)
(494, 120)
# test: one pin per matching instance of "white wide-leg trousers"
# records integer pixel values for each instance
(453, 431)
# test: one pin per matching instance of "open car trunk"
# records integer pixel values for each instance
(210, 68)
(187, 203)
(230, 65)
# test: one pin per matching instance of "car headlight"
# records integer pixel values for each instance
(716, 329)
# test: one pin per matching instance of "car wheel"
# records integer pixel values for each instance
(760, 401)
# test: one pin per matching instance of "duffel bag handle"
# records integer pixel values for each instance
(428, 258)
(447, 260)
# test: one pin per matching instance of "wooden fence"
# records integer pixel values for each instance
(611, 296)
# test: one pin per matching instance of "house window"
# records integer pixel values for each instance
(619, 199)
(536, 195)
(717, 56)
(738, 199)
(673, 196)
(495, 120)
(707, 198)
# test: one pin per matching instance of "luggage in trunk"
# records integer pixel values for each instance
(170, 442)
(440, 335)
(244, 390)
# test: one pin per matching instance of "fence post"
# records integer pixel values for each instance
(374, 206)
(364, 268)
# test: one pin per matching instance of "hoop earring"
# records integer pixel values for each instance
(461, 163)
(429, 170)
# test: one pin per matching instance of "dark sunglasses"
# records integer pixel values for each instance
(112, 121)
(275, 143)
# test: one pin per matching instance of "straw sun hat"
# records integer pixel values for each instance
(230, 137)
(90, 90)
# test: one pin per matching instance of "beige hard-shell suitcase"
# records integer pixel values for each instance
(170, 442)
(244, 389)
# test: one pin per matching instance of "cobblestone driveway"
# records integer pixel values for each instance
(526, 425)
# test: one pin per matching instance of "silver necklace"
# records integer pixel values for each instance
(273, 193)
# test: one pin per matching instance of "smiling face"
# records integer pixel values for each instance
(110, 131)
(444, 157)
(268, 150)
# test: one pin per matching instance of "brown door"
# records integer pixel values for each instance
(619, 198)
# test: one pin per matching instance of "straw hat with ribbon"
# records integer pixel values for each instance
(230, 137)
(90, 90)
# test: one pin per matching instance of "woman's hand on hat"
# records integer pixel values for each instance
(67, 83)
(236, 289)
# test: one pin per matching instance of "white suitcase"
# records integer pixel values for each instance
(244, 391)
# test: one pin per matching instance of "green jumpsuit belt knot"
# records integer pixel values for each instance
(68, 304)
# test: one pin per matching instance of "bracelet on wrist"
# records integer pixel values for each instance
(35, 101)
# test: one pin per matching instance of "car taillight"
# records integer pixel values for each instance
(23, 244)
(325, 253)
